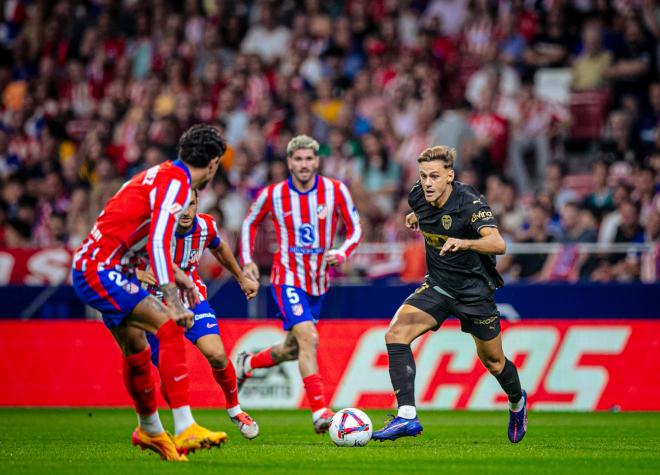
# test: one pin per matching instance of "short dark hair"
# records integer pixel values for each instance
(439, 152)
(200, 144)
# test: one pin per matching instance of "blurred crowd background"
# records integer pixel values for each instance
(553, 107)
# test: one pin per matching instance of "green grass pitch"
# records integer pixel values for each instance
(97, 441)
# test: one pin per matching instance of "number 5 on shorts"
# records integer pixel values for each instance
(292, 295)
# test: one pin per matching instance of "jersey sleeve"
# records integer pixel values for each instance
(413, 195)
(214, 235)
(170, 196)
(351, 219)
(255, 215)
(480, 214)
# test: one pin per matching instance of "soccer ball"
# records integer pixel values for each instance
(351, 428)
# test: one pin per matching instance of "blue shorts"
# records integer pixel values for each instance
(296, 305)
(204, 323)
(109, 291)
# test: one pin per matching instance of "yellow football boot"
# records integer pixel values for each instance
(163, 444)
(197, 437)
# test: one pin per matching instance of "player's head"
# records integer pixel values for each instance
(201, 147)
(436, 171)
(187, 218)
(302, 153)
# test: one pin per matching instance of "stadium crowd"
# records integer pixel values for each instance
(95, 91)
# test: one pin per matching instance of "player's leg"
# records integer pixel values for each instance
(492, 356)
(287, 350)
(307, 338)
(189, 436)
(422, 311)
(290, 310)
(408, 323)
(482, 320)
(116, 296)
(210, 345)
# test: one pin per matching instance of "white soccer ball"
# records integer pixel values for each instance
(351, 427)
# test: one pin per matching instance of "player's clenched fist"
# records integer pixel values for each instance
(412, 222)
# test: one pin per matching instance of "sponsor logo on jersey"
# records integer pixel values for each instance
(307, 234)
(446, 221)
(481, 215)
(306, 250)
(434, 240)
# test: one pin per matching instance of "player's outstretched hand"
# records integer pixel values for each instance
(249, 287)
(412, 222)
(146, 276)
(453, 245)
(252, 271)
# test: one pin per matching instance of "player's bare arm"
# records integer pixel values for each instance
(226, 258)
(490, 242)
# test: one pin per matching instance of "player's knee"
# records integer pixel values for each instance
(396, 334)
(494, 365)
(218, 359)
(291, 353)
(308, 341)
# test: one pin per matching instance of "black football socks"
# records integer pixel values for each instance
(402, 373)
(509, 381)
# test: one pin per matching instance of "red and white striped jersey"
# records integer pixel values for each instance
(189, 247)
(306, 224)
(140, 217)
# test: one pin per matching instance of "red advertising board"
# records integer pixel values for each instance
(35, 266)
(572, 365)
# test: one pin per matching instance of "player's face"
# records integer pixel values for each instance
(303, 164)
(435, 179)
(188, 215)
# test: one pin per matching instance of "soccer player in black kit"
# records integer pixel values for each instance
(461, 240)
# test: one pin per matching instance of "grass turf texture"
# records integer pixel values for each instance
(53, 441)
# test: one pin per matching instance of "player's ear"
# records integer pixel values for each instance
(450, 176)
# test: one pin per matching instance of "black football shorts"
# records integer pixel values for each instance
(479, 318)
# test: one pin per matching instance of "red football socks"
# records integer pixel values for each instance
(314, 390)
(263, 359)
(226, 378)
(172, 364)
(139, 382)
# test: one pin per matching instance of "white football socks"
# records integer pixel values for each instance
(183, 419)
(517, 406)
(407, 412)
(234, 411)
(151, 423)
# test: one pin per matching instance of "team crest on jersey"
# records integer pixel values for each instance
(297, 309)
(446, 221)
(175, 208)
(131, 288)
(322, 211)
(194, 257)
